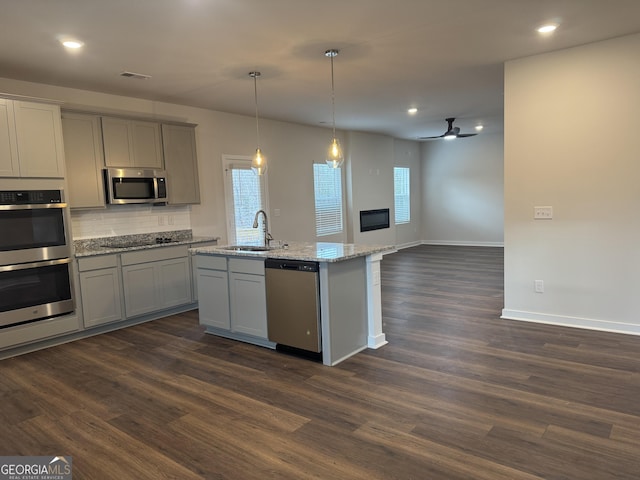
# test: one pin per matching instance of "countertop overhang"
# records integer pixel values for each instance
(309, 251)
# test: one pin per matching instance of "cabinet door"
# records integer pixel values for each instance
(181, 164)
(39, 135)
(101, 299)
(8, 149)
(140, 287)
(147, 147)
(118, 144)
(248, 304)
(84, 160)
(213, 294)
(175, 282)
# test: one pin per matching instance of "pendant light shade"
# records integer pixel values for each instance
(259, 161)
(334, 154)
(335, 157)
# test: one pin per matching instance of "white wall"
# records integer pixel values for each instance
(407, 154)
(571, 142)
(370, 177)
(291, 150)
(462, 191)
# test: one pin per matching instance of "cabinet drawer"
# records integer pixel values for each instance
(154, 254)
(98, 262)
(211, 262)
(245, 265)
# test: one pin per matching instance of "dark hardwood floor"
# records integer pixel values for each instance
(457, 393)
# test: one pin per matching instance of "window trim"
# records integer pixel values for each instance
(228, 162)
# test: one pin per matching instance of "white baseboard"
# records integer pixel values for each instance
(462, 243)
(576, 322)
(408, 245)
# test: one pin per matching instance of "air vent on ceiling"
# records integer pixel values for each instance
(139, 76)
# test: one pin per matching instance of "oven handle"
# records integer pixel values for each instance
(33, 206)
(25, 266)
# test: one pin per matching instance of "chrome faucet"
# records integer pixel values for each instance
(265, 227)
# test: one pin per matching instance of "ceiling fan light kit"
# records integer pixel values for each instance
(451, 133)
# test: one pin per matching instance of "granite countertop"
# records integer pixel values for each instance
(127, 243)
(314, 252)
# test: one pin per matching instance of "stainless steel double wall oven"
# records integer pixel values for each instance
(35, 266)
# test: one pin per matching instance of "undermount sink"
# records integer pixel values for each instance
(248, 248)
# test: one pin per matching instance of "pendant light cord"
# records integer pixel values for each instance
(333, 97)
(255, 96)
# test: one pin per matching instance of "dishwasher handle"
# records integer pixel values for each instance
(294, 265)
(288, 266)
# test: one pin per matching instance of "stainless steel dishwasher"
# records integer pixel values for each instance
(293, 304)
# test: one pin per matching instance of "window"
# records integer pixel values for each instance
(402, 198)
(327, 188)
(245, 194)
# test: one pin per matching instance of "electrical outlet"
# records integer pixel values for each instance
(276, 212)
(543, 213)
(160, 220)
(538, 286)
(170, 219)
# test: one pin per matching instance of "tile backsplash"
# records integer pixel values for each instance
(128, 220)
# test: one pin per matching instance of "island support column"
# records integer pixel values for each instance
(375, 338)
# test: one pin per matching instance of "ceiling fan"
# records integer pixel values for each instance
(452, 132)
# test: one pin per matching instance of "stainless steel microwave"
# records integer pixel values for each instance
(135, 185)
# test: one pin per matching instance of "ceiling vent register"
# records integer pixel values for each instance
(138, 76)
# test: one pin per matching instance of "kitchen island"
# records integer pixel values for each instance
(233, 302)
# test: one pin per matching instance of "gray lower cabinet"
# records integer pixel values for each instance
(194, 268)
(247, 297)
(232, 297)
(213, 291)
(155, 280)
(101, 290)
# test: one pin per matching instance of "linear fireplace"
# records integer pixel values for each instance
(374, 219)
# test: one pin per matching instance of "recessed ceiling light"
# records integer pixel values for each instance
(412, 111)
(547, 28)
(72, 43)
(479, 127)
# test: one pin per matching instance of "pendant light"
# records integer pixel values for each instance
(334, 152)
(259, 161)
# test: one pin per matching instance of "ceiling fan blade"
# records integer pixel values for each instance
(451, 130)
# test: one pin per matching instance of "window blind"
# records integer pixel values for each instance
(402, 197)
(327, 187)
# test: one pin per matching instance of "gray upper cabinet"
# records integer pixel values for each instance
(84, 159)
(131, 143)
(93, 142)
(9, 166)
(30, 140)
(181, 163)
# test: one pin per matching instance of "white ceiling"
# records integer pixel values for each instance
(443, 56)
